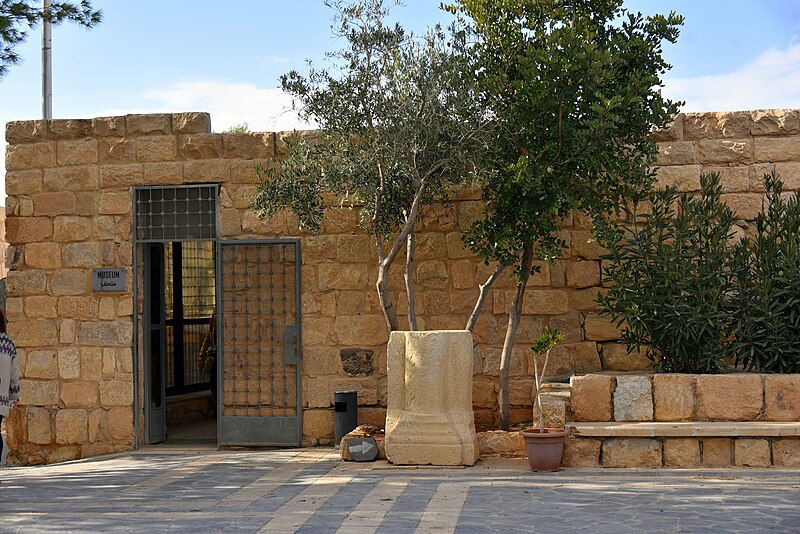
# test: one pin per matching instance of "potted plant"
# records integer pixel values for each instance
(544, 445)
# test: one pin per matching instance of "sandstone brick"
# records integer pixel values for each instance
(120, 423)
(438, 218)
(66, 331)
(86, 204)
(517, 366)
(318, 423)
(191, 123)
(156, 148)
(581, 452)
(41, 364)
(590, 397)
(432, 273)
(340, 220)
(40, 306)
(28, 229)
(716, 452)
(92, 361)
(500, 443)
(69, 363)
(76, 152)
(40, 429)
(116, 151)
(116, 393)
(80, 395)
(631, 452)
(71, 427)
(108, 308)
(253, 145)
(105, 333)
(32, 156)
(366, 389)
(33, 332)
(584, 245)
(752, 453)
(69, 128)
(715, 125)
(684, 177)
(359, 330)
(484, 392)
(746, 205)
(543, 302)
(79, 254)
(455, 248)
(681, 452)
(79, 178)
(786, 452)
(729, 397)
(462, 274)
(600, 328)
(115, 203)
(274, 226)
(24, 182)
(570, 357)
(774, 122)
(25, 131)
(38, 392)
(353, 248)
(554, 408)
(337, 276)
(28, 282)
(633, 399)
(782, 397)
(78, 307)
(430, 246)
(68, 228)
(51, 204)
(726, 150)
(772, 149)
(108, 126)
(113, 176)
(148, 124)
(463, 302)
(569, 324)
(167, 173)
(583, 274)
(673, 396)
(615, 357)
(200, 146)
(211, 170)
(732, 179)
(676, 153)
(586, 299)
(70, 282)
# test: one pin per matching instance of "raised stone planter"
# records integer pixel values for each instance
(429, 417)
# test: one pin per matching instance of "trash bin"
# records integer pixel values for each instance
(345, 416)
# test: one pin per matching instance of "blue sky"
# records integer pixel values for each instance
(199, 55)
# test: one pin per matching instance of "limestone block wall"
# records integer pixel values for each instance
(69, 185)
(723, 406)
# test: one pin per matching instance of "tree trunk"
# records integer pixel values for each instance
(484, 292)
(513, 322)
(410, 288)
(385, 298)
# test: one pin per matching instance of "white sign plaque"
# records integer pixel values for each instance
(112, 279)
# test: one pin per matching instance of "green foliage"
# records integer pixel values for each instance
(549, 338)
(239, 128)
(573, 88)
(17, 17)
(399, 127)
(767, 307)
(672, 281)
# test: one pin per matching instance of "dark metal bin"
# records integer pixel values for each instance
(345, 416)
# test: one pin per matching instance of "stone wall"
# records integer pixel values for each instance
(683, 420)
(69, 209)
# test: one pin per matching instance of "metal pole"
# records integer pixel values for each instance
(47, 64)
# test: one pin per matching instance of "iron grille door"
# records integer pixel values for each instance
(259, 343)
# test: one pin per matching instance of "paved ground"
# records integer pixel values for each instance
(309, 490)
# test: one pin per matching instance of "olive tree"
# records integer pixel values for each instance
(572, 87)
(398, 128)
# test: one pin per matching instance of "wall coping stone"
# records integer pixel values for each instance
(686, 429)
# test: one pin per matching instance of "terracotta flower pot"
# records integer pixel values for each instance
(544, 448)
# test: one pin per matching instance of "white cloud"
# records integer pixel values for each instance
(772, 80)
(229, 103)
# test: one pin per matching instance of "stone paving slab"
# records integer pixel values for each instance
(311, 491)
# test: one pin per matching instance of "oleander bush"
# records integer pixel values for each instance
(766, 312)
(695, 299)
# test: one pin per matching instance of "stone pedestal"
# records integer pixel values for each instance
(429, 418)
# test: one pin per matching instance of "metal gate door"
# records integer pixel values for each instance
(259, 343)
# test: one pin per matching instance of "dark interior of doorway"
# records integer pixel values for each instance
(189, 304)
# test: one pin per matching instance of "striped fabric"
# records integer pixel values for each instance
(9, 374)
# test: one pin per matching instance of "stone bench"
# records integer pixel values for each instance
(697, 429)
